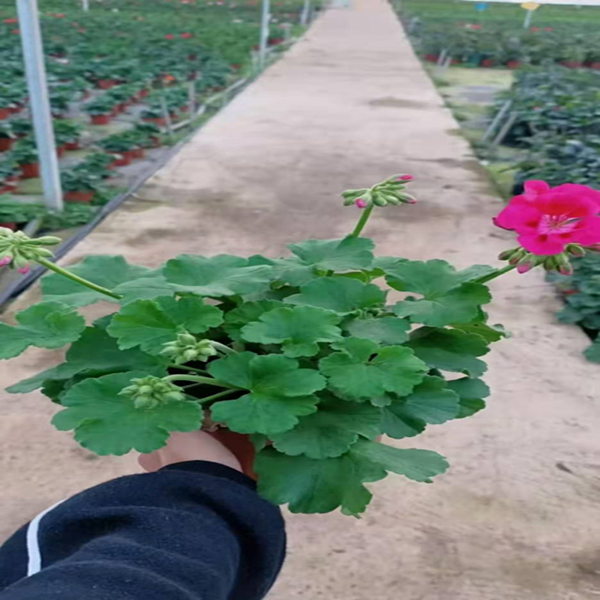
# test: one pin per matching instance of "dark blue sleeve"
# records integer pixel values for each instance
(191, 531)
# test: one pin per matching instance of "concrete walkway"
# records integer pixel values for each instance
(517, 516)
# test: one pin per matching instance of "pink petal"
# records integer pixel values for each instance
(5, 261)
(535, 187)
(24, 270)
(542, 245)
(579, 190)
(567, 204)
(586, 234)
(360, 203)
(520, 215)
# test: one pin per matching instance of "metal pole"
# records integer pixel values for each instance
(497, 120)
(264, 33)
(305, 12)
(39, 102)
(528, 16)
(166, 117)
(85, 4)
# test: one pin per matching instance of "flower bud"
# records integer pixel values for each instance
(148, 392)
(378, 199)
(405, 178)
(507, 254)
(575, 250)
(360, 203)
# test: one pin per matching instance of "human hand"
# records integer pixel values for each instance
(195, 445)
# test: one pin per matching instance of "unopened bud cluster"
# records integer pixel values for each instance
(187, 348)
(525, 261)
(149, 392)
(17, 250)
(388, 192)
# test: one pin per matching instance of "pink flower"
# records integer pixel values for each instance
(548, 28)
(24, 270)
(548, 219)
(360, 203)
(5, 261)
(10, 21)
(406, 178)
(535, 29)
(169, 36)
(186, 36)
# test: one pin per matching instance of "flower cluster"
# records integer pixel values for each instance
(187, 348)
(389, 192)
(552, 224)
(17, 250)
(149, 392)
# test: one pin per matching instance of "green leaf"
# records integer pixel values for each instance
(106, 271)
(592, 352)
(336, 255)
(447, 295)
(471, 392)
(95, 353)
(330, 431)
(145, 288)
(490, 333)
(245, 313)
(365, 371)
(286, 270)
(298, 329)
(107, 423)
(320, 486)
(387, 331)
(44, 325)
(339, 294)
(152, 323)
(450, 350)
(221, 275)
(280, 392)
(430, 402)
(460, 304)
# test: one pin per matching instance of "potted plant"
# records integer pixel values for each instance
(149, 134)
(25, 154)
(7, 136)
(121, 146)
(100, 110)
(97, 163)
(304, 355)
(79, 185)
(13, 212)
(153, 114)
(67, 134)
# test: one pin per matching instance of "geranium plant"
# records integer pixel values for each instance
(306, 354)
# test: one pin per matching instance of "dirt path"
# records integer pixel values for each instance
(516, 517)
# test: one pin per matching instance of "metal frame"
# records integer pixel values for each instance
(39, 101)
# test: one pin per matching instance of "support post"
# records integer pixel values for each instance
(305, 13)
(497, 120)
(85, 4)
(192, 100)
(264, 33)
(39, 102)
(528, 16)
(166, 116)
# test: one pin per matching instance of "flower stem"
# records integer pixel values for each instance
(216, 396)
(362, 221)
(186, 368)
(199, 379)
(496, 273)
(222, 347)
(97, 288)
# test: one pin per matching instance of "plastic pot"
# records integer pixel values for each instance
(514, 64)
(572, 64)
(4, 113)
(156, 120)
(595, 66)
(6, 144)
(432, 58)
(72, 145)
(121, 160)
(100, 119)
(137, 153)
(10, 225)
(84, 197)
(60, 150)
(106, 84)
(30, 171)
(240, 445)
(487, 63)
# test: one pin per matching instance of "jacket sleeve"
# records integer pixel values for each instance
(191, 531)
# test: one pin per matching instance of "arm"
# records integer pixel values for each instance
(192, 530)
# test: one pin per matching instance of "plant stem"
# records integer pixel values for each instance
(222, 347)
(97, 288)
(362, 221)
(199, 379)
(496, 273)
(186, 368)
(216, 396)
